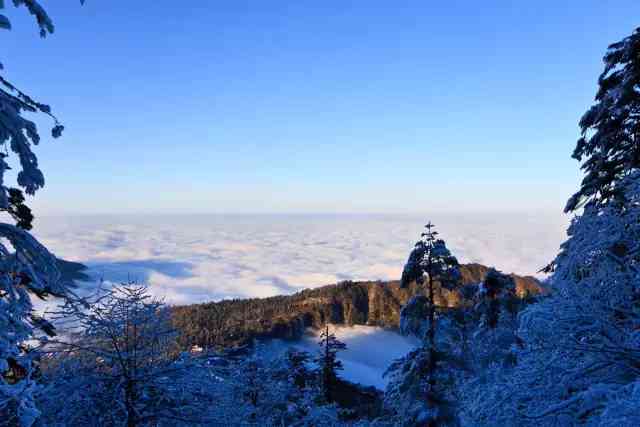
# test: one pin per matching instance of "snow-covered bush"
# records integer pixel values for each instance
(118, 364)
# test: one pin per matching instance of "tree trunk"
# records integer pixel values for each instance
(328, 368)
(431, 337)
(129, 404)
(432, 330)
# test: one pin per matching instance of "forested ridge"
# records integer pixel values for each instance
(372, 303)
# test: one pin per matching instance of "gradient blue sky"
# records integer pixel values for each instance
(313, 106)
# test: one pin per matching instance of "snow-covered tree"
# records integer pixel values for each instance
(417, 387)
(580, 353)
(298, 367)
(329, 363)
(16, 131)
(463, 320)
(588, 328)
(27, 269)
(267, 391)
(118, 364)
(496, 296)
(431, 260)
(594, 308)
(609, 147)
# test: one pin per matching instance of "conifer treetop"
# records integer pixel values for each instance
(609, 147)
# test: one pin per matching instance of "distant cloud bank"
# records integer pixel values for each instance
(197, 258)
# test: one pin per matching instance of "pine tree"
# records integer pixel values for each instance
(580, 356)
(430, 260)
(329, 363)
(610, 146)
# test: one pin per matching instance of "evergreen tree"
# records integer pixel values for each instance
(497, 294)
(429, 261)
(609, 146)
(581, 347)
(27, 269)
(463, 319)
(299, 374)
(328, 363)
(19, 211)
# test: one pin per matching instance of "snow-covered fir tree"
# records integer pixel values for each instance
(594, 307)
(328, 362)
(609, 148)
(419, 381)
(265, 389)
(28, 269)
(430, 260)
(580, 345)
(578, 364)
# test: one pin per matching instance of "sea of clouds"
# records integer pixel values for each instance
(197, 258)
(370, 351)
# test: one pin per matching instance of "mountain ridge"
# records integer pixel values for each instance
(372, 303)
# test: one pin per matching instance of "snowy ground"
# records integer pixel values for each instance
(198, 257)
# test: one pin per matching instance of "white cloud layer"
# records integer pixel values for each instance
(369, 352)
(196, 258)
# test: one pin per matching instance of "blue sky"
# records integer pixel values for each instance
(308, 106)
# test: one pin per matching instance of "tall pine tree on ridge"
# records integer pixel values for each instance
(429, 261)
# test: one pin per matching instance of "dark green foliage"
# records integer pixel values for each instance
(497, 294)
(430, 258)
(609, 147)
(238, 321)
(20, 212)
(328, 363)
(299, 373)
